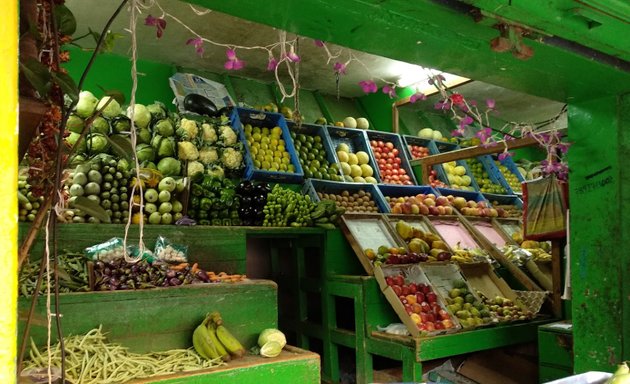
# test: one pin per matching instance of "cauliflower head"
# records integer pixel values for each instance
(228, 136)
(209, 133)
(188, 129)
(187, 151)
(208, 155)
(231, 158)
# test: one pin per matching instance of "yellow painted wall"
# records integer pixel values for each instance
(8, 189)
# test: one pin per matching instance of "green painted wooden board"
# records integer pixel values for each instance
(161, 318)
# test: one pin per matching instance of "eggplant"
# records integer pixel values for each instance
(200, 105)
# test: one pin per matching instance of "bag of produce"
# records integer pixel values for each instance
(168, 252)
(109, 251)
(545, 205)
(140, 253)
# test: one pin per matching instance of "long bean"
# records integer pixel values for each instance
(91, 359)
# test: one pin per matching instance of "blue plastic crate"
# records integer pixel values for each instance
(393, 191)
(242, 116)
(395, 139)
(444, 146)
(356, 140)
(494, 174)
(414, 140)
(312, 186)
(504, 199)
(511, 166)
(473, 182)
(319, 130)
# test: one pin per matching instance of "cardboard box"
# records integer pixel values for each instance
(499, 366)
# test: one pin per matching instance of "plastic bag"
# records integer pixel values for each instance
(545, 208)
(168, 252)
(109, 251)
(140, 253)
(394, 329)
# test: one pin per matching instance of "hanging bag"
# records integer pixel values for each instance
(545, 208)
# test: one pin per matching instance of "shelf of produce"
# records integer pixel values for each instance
(305, 142)
(352, 141)
(291, 366)
(487, 176)
(388, 149)
(161, 318)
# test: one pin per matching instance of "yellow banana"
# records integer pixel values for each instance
(212, 332)
(203, 343)
(231, 344)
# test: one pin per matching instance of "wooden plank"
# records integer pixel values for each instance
(162, 318)
(293, 365)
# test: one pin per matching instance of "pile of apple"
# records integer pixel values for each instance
(474, 208)
(389, 161)
(420, 204)
(434, 181)
(418, 151)
(421, 303)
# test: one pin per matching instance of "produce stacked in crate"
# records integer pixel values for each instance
(459, 176)
(411, 200)
(317, 157)
(213, 201)
(354, 198)
(389, 153)
(28, 203)
(353, 150)
(487, 183)
(511, 173)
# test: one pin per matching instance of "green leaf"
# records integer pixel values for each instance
(121, 146)
(67, 84)
(91, 208)
(66, 23)
(38, 75)
(109, 41)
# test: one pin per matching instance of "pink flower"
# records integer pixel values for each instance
(318, 43)
(563, 147)
(417, 96)
(292, 56)
(390, 90)
(466, 121)
(272, 64)
(198, 44)
(436, 79)
(233, 63)
(158, 23)
(368, 86)
(483, 134)
(505, 155)
(442, 104)
(457, 99)
(490, 103)
(458, 132)
(340, 68)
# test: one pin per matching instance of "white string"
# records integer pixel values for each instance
(132, 104)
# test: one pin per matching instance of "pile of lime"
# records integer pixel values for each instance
(483, 179)
(510, 177)
(268, 149)
(312, 155)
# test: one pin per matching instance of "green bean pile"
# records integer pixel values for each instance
(73, 274)
(90, 359)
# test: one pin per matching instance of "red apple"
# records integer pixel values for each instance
(420, 297)
(443, 315)
(424, 210)
(400, 280)
(405, 290)
(448, 323)
(413, 289)
(389, 281)
(429, 202)
(439, 325)
(441, 200)
(397, 290)
(441, 210)
(431, 297)
(424, 317)
(434, 211)
(429, 326)
(425, 307)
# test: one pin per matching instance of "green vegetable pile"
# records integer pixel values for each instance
(73, 275)
(28, 204)
(90, 359)
(312, 156)
(213, 201)
(288, 208)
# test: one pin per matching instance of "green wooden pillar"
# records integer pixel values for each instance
(600, 227)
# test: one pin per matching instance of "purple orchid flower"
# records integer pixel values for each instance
(490, 103)
(390, 90)
(292, 56)
(563, 147)
(466, 121)
(233, 63)
(417, 96)
(318, 43)
(340, 68)
(272, 64)
(158, 23)
(458, 132)
(442, 105)
(436, 79)
(198, 44)
(368, 86)
(505, 155)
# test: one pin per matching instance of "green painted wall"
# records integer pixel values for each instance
(112, 71)
(599, 210)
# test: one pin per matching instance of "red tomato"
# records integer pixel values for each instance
(397, 161)
(373, 143)
(389, 145)
(395, 151)
(402, 171)
(380, 143)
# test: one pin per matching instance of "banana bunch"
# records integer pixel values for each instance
(621, 375)
(213, 341)
(326, 214)
(462, 256)
(539, 254)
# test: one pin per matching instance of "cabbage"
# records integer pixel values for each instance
(72, 139)
(194, 167)
(99, 125)
(164, 146)
(270, 349)
(187, 151)
(86, 105)
(120, 124)
(426, 133)
(272, 334)
(141, 115)
(145, 152)
(75, 124)
(169, 166)
(143, 136)
(97, 143)
(157, 111)
(148, 165)
(164, 127)
(113, 108)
